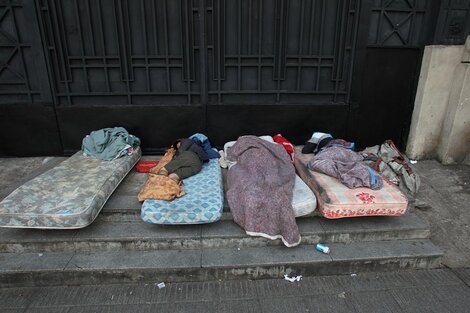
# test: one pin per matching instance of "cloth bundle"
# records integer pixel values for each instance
(393, 165)
(109, 143)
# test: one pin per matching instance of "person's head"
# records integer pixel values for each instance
(176, 144)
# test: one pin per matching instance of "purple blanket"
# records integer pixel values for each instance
(260, 190)
(346, 165)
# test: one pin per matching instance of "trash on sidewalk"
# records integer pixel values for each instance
(292, 279)
(161, 285)
(322, 248)
(342, 295)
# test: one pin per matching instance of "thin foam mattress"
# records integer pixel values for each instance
(203, 202)
(335, 200)
(68, 196)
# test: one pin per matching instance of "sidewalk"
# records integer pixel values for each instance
(443, 200)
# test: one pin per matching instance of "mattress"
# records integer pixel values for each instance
(68, 196)
(303, 199)
(203, 202)
(335, 200)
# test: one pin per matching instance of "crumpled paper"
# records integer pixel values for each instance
(292, 279)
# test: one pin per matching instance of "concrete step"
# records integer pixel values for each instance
(103, 235)
(206, 264)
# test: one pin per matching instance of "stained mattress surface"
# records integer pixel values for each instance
(335, 200)
(203, 202)
(70, 195)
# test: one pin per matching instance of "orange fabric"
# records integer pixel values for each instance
(159, 186)
(169, 155)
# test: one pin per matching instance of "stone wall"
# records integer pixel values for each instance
(440, 126)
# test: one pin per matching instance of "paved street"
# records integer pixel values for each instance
(440, 291)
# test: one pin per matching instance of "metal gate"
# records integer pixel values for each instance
(168, 68)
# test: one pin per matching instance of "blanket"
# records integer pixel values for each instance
(345, 165)
(260, 189)
(159, 186)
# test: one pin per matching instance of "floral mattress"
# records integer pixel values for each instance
(335, 200)
(69, 195)
(203, 202)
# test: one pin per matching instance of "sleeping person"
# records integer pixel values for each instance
(187, 161)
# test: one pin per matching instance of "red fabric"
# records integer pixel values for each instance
(286, 144)
(145, 166)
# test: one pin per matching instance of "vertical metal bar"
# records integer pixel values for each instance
(119, 39)
(239, 34)
(379, 26)
(165, 26)
(410, 33)
(301, 37)
(335, 40)
(61, 49)
(203, 72)
(250, 5)
(218, 43)
(155, 26)
(144, 26)
(123, 55)
(320, 48)
(33, 12)
(103, 44)
(43, 40)
(312, 23)
(128, 41)
(260, 41)
(340, 52)
(92, 37)
(82, 48)
(281, 57)
(186, 44)
(353, 50)
(20, 50)
(62, 40)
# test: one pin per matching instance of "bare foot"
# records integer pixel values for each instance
(174, 177)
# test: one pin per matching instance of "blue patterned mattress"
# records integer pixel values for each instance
(202, 204)
(69, 195)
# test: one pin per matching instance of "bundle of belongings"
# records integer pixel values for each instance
(393, 165)
(350, 184)
(71, 194)
(195, 161)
